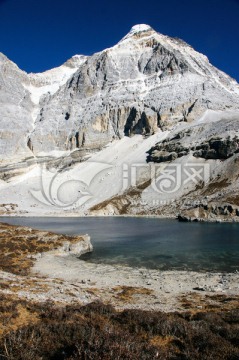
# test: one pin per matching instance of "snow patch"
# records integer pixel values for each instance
(50, 81)
(139, 28)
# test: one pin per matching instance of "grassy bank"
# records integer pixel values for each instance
(96, 331)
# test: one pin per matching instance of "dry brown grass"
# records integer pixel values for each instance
(161, 340)
(23, 283)
(197, 302)
(18, 245)
(15, 313)
(123, 202)
(234, 200)
(215, 186)
(96, 331)
(127, 293)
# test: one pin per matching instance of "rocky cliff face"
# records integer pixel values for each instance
(20, 97)
(15, 111)
(148, 84)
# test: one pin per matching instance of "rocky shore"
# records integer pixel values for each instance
(141, 288)
(71, 309)
(41, 266)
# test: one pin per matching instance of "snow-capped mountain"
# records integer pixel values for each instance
(146, 82)
(148, 85)
(20, 95)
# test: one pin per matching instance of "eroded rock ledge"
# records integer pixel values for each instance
(215, 148)
(210, 212)
(21, 246)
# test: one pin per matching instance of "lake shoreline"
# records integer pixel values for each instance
(232, 220)
(163, 244)
(147, 289)
(50, 299)
(61, 277)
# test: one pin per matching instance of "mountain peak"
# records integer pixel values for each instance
(140, 28)
(137, 29)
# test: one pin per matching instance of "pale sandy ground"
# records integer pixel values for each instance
(67, 280)
(126, 287)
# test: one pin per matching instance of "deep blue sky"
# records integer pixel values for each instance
(41, 34)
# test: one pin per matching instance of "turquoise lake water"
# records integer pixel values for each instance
(149, 242)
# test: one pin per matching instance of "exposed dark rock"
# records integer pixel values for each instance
(77, 139)
(199, 289)
(230, 209)
(67, 116)
(83, 139)
(205, 212)
(182, 153)
(29, 144)
(182, 218)
(163, 61)
(130, 122)
(141, 122)
(214, 148)
(167, 151)
(217, 148)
